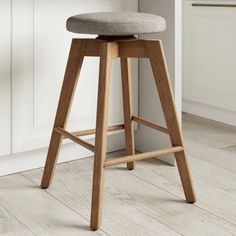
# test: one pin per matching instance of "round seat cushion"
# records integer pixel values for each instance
(116, 23)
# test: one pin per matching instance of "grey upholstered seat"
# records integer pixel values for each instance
(116, 23)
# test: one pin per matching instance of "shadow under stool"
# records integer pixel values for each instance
(116, 39)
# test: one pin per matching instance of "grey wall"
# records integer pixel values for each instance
(149, 105)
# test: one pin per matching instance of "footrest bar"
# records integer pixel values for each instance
(93, 131)
(149, 124)
(75, 139)
(142, 156)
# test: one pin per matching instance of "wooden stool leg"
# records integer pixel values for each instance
(101, 135)
(127, 104)
(156, 55)
(74, 64)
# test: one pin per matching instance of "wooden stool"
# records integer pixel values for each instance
(118, 41)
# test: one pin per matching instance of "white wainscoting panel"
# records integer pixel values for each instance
(40, 49)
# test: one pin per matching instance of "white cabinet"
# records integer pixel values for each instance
(34, 49)
(5, 77)
(40, 48)
(210, 54)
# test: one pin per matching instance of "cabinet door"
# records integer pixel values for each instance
(210, 54)
(5, 77)
(40, 49)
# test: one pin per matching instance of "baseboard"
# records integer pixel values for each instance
(35, 159)
(209, 112)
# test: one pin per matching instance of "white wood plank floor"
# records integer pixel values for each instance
(146, 201)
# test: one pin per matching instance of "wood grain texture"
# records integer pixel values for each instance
(150, 124)
(142, 156)
(157, 59)
(10, 225)
(209, 132)
(133, 205)
(231, 148)
(75, 139)
(149, 203)
(128, 108)
(106, 56)
(132, 49)
(121, 215)
(73, 68)
(127, 48)
(93, 131)
(109, 51)
(214, 171)
(40, 212)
